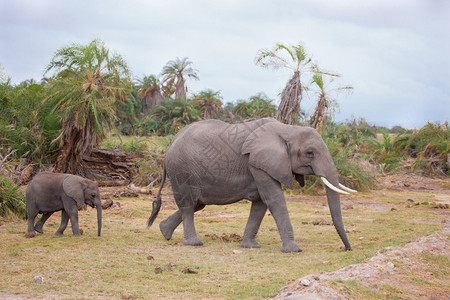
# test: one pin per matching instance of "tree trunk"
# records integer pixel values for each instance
(319, 113)
(157, 97)
(75, 143)
(180, 91)
(105, 164)
(289, 109)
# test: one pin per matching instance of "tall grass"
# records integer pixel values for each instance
(12, 201)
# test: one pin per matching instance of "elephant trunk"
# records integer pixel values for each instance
(334, 204)
(99, 217)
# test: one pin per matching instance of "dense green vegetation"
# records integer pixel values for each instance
(90, 96)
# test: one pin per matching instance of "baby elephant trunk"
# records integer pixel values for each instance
(99, 217)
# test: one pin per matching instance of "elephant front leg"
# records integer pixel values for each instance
(39, 227)
(272, 195)
(64, 222)
(257, 212)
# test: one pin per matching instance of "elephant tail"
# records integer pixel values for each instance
(157, 203)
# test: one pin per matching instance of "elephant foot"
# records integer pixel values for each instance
(59, 234)
(250, 243)
(29, 235)
(194, 241)
(166, 229)
(291, 246)
(39, 229)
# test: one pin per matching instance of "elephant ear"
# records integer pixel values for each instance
(74, 188)
(268, 151)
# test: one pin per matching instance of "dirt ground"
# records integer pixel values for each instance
(390, 266)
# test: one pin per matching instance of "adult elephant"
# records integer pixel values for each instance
(212, 162)
(51, 192)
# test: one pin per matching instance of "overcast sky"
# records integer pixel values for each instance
(395, 53)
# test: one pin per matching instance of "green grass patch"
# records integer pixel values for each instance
(122, 262)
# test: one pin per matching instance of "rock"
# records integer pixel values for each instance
(237, 251)
(107, 204)
(305, 282)
(347, 205)
(188, 270)
(399, 183)
(168, 268)
(410, 200)
(393, 208)
(150, 257)
(320, 222)
(38, 279)
(158, 270)
(29, 235)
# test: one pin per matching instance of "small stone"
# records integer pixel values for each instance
(410, 200)
(127, 296)
(150, 257)
(347, 205)
(81, 231)
(107, 204)
(188, 270)
(305, 282)
(393, 208)
(29, 235)
(158, 270)
(168, 268)
(38, 279)
(237, 251)
(425, 203)
(137, 231)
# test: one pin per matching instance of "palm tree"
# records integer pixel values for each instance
(175, 72)
(209, 103)
(325, 106)
(293, 58)
(149, 92)
(88, 79)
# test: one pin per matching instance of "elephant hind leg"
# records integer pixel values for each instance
(190, 234)
(168, 225)
(30, 231)
(39, 227)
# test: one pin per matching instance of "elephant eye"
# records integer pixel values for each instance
(93, 195)
(310, 154)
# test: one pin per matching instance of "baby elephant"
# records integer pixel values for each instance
(50, 192)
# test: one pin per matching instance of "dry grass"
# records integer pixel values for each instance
(122, 262)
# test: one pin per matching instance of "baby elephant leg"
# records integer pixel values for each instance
(39, 227)
(64, 222)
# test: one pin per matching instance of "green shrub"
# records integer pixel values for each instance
(12, 201)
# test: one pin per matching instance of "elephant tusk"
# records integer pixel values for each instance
(328, 184)
(346, 188)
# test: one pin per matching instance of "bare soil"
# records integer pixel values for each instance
(392, 266)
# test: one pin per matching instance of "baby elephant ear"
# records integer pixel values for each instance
(73, 187)
(268, 151)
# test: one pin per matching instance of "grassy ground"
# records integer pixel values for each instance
(130, 261)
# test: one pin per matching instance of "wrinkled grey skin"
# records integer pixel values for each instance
(212, 162)
(50, 192)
